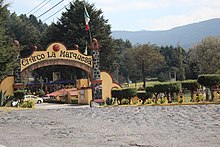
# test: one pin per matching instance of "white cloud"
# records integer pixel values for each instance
(171, 21)
(115, 6)
(159, 14)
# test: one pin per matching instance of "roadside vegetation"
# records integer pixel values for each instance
(205, 90)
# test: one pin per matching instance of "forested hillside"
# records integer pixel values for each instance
(186, 36)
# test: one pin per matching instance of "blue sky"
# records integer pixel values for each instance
(134, 15)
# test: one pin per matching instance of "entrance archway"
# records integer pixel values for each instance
(27, 71)
(56, 54)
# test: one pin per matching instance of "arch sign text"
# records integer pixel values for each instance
(56, 51)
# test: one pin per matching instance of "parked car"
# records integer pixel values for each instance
(34, 98)
(48, 98)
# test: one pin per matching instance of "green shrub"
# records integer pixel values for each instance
(3, 98)
(135, 102)
(117, 93)
(163, 101)
(143, 95)
(27, 104)
(210, 81)
(167, 87)
(180, 101)
(108, 101)
(150, 89)
(40, 92)
(19, 94)
(114, 101)
(124, 102)
(158, 101)
(128, 93)
(199, 98)
(149, 101)
(121, 94)
(191, 85)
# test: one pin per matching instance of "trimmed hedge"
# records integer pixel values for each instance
(150, 89)
(143, 95)
(126, 93)
(209, 80)
(116, 93)
(191, 85)
(167, 87)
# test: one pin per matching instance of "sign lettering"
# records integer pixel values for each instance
(39, 56)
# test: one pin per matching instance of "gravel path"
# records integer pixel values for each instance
(145, 126)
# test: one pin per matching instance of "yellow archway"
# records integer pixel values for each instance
(56, 54)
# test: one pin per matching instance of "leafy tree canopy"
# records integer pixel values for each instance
(204, 57)
(145, 58)
(6, 50)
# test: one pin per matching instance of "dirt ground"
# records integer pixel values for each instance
(144, 126)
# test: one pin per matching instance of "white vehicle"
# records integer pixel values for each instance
(34, 98)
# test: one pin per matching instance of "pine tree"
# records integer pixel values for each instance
(7, 52)
(27, 30)
(70, 29)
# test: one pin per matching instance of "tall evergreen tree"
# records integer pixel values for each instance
(118, 56)
(7, 52)
(27, 30)
(175, 58)
(70, 29)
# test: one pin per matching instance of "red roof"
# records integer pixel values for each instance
(63, 92)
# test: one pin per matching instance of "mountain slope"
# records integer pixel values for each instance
(186, 36)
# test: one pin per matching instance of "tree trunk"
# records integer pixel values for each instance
(156, 98)
(192, 92)
(144, 100)
(172, 96)
(207, 94)
(212, 93)
(168, 97)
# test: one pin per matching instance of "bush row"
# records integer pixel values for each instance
(168, 88)
(126, 93)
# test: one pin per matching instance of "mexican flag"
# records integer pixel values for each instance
(87, 18)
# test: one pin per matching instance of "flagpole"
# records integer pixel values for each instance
(89, 32)
(90, 36)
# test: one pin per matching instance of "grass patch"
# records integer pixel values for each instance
(140, 84)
